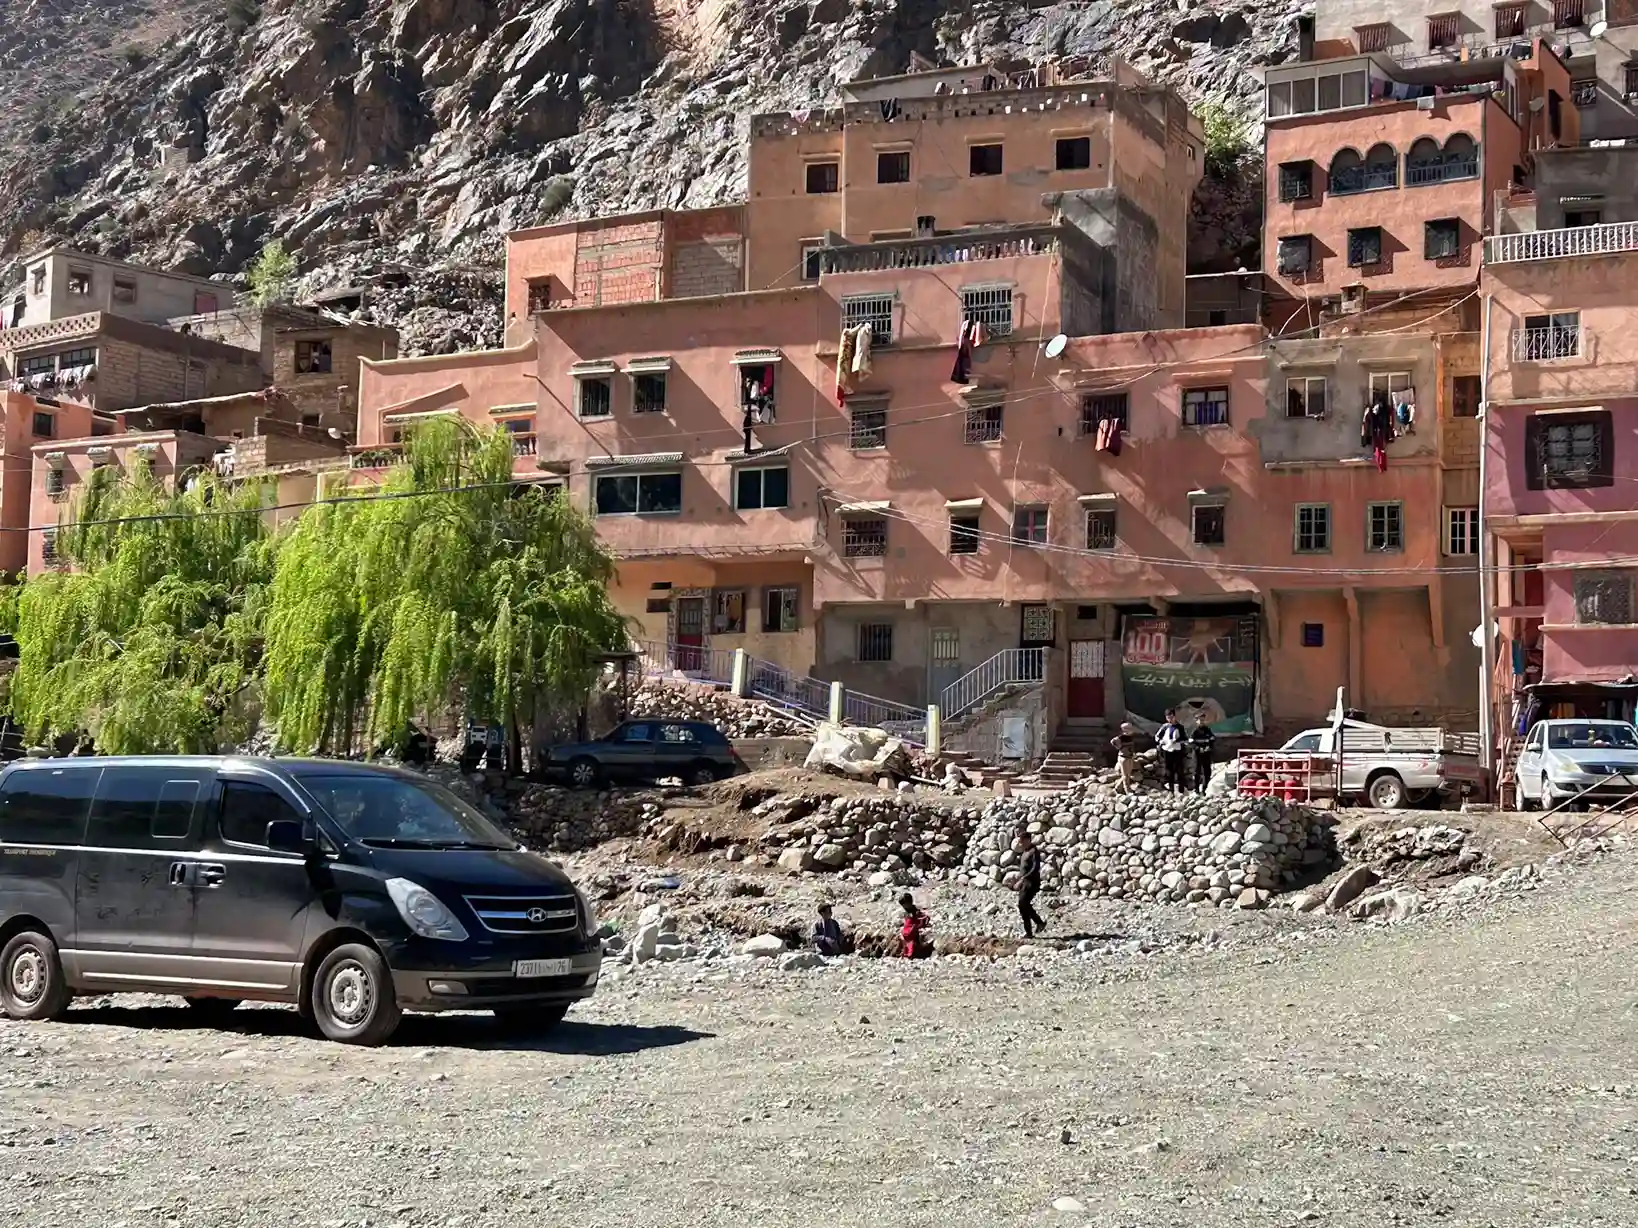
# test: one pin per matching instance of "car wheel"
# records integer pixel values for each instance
(213, 1010)
(353, 999)
(1386, 792)
(32, 985)
(584, 773)
(531, 1019)
(702, 774)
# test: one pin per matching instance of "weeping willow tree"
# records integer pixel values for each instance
(146, 644)
(447, 584)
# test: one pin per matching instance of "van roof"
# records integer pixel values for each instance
(294, 766)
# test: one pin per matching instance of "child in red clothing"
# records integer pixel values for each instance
(914, 930)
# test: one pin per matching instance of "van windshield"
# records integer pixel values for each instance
(1580, 736)
(392, 812)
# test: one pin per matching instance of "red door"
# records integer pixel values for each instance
(689, 653)
(1085, 695)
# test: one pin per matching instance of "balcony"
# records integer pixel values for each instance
(935, 250)
(523, 443)
(1549, 344)
(375, 456)
(1442, 170)
(1603, 239)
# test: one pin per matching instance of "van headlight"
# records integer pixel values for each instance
(424, 912)
(588, 915)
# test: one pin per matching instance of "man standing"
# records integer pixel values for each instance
(1170, 740)
(1204, 742)
(1029, 884)
(827, 933)
(1125, 746)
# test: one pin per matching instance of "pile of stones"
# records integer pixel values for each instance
(1152, 847)
(735, 717)
(889, 838)
(549, 817)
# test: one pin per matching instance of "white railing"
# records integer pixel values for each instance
(1008, 667)
(1549, 344)
(803, 696)
(1604, 239)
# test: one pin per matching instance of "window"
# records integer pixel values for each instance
(875, 641)
(135, 805)
(1584, 93)
(813, 262)
(46, 805)
(1574, 219)
(1305, 397)
(1569, 450)
(1464, 396)
(983, 424)
(1029, 526)
(1296, 181)
(1510, 20)
(864, 537)
(48, 547)
(1549, 336)
(964, 537)
(648, 393)
(1313, 636)
(756, 391)
(1100, 528)
(984, 160)
(38, 364)
(1364, 246)
(1630, 85)
(1461, 530)
(824, 178)
(875, 310)
(1347, 173)
(657, 605)
(728, 612)
(1296, 255)
(1568, 14)
(44, 424)
(1075, 153)
(1604, 598)
(56, 483)
(1205, 407)
(642, 732)
(1097, 408)
(990, 306)
(79, 283)
(1376, 37)
(83, 357)
(1381, 168)
(247, 809)
(626, 494)
(594, 396)
(1444, 31)
(869, 426)
(313, 357)
(1384, 526)
(36, 279)
(779, 609)
(1442, 239)
(893, 167)
(314, 419)
(762, 488)
(1209, 523)
(1391, 382)
(1313, 528)
(678, 733)
(125, 289)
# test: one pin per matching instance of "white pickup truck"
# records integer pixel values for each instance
(1388, 767)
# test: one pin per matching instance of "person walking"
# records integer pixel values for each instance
(1171, 740)
(1125, 746)
(1029, 884)
(913, 931)
(1204, 742)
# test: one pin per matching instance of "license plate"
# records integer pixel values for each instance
(542, 967)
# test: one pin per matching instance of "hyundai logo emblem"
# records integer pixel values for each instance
(538, 916)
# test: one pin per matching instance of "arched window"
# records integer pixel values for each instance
(1461, 157)
(1422, 163)
(1382, 167)
(1347, 173)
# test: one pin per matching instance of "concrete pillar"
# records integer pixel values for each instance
(935, 731)
(741, 684)
(837, 706)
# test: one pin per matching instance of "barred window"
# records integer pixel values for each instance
(983, 424)
(1296, 181)
(869, 426)
(1100, 528)
(1296, 255)
(1571, 449)
(1364, 246)
(648, 394)
(1099, 407)
(1604, 597)
(964, 538)
(875, 641)
(1385, 527)
(864, 537)
(1210, 525)
(1442, 239)
(595, 396)
(990, 306)
(56, 483)
(875, 310)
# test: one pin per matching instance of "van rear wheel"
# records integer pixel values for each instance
(530, 1020)
(353, 997)
(32, 985)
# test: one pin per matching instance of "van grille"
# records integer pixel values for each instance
(550, 914)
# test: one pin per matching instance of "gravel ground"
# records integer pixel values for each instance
(1465, 1068)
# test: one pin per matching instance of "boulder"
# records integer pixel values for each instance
(764, 945)
(1348, 888)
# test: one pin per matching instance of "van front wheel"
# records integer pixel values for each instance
(32, 985)
(353, 999)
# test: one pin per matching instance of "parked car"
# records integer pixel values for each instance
(1561, 759)
(647, 749)
(352, 891)
(1386, 766)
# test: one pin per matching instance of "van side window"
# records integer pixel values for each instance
(46, 805)
(247, 809)
(138, 805)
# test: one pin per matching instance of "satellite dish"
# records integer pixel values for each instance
(1598, 28)
(1536, 104)
(1056, 346)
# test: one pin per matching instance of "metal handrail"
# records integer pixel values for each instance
(1603, 239)
(1006, 668)
(904, 721)
(801, 694)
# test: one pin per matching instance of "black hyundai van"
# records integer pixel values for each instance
(354, 891)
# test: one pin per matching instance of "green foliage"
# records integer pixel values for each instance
(465, 587)
(272, 274)
(148, 642)
(1228, 136)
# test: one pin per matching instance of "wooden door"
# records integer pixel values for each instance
(690, 655)
(1085, 693)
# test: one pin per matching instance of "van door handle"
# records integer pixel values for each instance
(209, 874)
(179, 873)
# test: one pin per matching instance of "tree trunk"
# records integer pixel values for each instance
(514, 744)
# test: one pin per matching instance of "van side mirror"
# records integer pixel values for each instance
(286, 836)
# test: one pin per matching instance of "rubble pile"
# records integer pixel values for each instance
(1153, 847)
(566, 820)
(885, 839)
(737, 718)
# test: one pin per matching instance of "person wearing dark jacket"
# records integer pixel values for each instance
(1172, 743)
(1376, 432)
(828, 938)
(1029, 884)
(1204, 742)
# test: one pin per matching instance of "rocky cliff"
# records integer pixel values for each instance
(394, 141)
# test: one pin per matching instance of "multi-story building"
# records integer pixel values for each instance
(26, 421)
(1561, 436)
(59, 282)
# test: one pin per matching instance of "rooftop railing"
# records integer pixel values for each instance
(1603, 239)
(937, 250)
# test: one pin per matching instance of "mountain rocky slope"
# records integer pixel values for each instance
(394, 141)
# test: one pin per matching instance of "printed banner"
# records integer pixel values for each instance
(1191, 665)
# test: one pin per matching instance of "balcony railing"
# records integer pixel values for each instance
(379, 456)
(1549, 344)
(941, 249)
(1446, 170)
(1604, 239)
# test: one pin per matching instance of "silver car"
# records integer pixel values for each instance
(1596, 761)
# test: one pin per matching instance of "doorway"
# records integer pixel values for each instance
(1084, 696)
(943, 662)
(690, 646)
